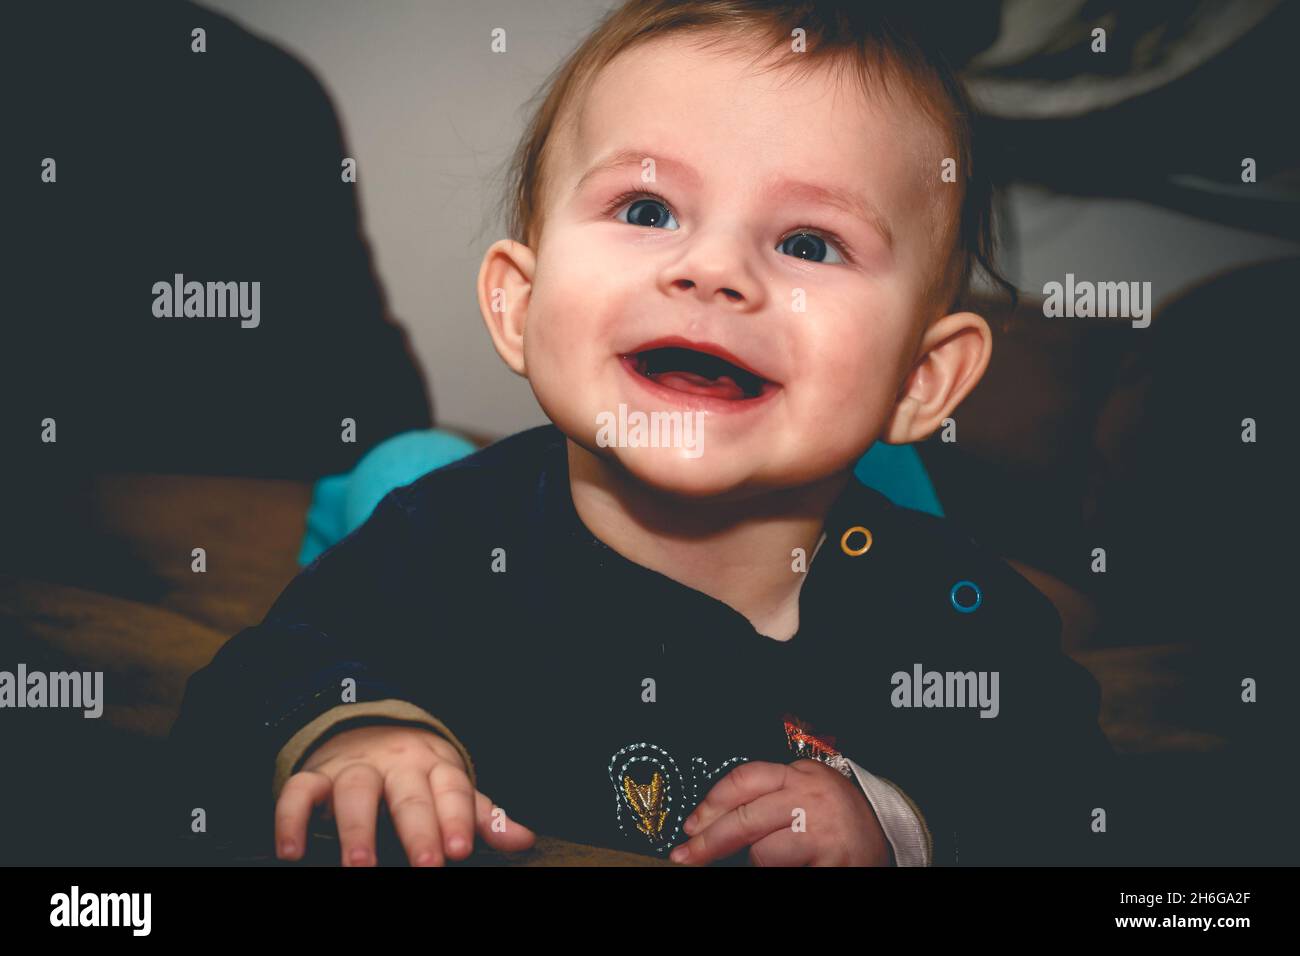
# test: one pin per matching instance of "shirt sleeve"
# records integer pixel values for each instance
(899, 817)
(1059, 791)
(1034, 784)
(301, 744)
(1037, 785)
(340, 644)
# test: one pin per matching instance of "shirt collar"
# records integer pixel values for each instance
(569, 541)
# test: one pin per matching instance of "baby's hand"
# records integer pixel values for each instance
(421, 777)
(754, 804)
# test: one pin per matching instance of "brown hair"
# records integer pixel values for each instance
(884, 37)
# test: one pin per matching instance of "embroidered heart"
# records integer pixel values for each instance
(667, 794)
(647, 800)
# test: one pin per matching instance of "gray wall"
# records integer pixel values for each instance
(431, 115)
(1121, 240)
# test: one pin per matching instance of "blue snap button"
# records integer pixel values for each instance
(966, 608)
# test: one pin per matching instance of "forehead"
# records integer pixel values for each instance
(735, 126)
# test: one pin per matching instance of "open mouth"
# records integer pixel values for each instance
(698, 373)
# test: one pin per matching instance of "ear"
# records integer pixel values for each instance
(505, 283)
(952, 357)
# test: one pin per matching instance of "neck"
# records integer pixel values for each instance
(734, 549)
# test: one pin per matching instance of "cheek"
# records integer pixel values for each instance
(570, 311)
(851, 388)
(579, 297)
(557, 306)
(853, 363)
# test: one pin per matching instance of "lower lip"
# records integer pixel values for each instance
(700, 403)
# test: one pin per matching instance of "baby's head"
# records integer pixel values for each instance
(788, 183)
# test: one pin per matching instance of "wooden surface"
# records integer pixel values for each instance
(323, 851)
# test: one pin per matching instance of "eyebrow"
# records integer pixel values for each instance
(845, 200)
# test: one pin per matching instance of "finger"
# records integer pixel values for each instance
(356, 805)
(744, 784)
(783, 847)
(736, 829)
(444, 749)
(411, 807)
(453, 796)
(298, 796)
(498, 830)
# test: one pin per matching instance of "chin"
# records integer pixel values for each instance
(672, 472)
(689, 472)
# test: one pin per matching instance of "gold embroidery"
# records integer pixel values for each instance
(646, 799)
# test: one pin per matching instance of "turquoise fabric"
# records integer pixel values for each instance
(342, 503)
(896, 471)
(325, 524)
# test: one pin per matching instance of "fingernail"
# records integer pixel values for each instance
(680, 854)
(457, 844)
(286, 849)
(689, 825)
(424, 859)
(359, 856)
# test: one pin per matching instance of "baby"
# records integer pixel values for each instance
(740, 230)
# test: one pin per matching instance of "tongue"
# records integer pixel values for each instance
(721, 387)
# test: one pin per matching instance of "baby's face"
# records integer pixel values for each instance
(790, 223)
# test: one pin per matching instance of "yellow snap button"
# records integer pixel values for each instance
(866, 544)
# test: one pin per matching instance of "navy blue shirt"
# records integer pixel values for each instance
(541, 669)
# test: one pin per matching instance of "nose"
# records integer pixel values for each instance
(733, 294)
(716, 268)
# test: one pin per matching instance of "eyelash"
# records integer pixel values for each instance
(845, 249)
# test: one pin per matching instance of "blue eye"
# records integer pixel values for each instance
(808, 245)
(650, 213)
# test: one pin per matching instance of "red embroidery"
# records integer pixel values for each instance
(802, 740)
